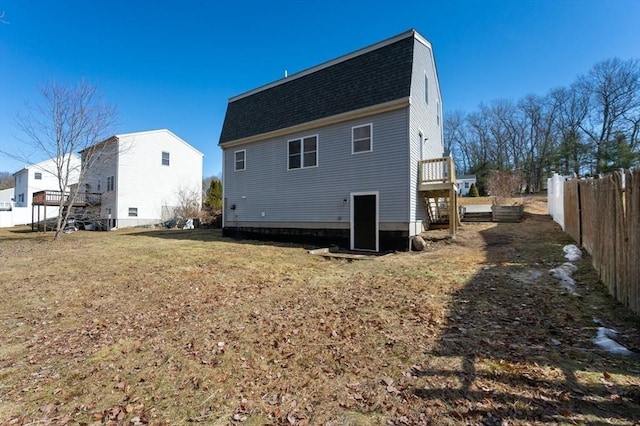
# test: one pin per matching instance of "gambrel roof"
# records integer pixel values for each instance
(371, 76)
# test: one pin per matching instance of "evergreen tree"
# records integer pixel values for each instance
(213, 200)
(619, 154)
(473, 191)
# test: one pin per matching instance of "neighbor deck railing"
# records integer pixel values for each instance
(437, 170)
(55, 198)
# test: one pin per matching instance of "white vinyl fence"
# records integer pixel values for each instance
(555, 198)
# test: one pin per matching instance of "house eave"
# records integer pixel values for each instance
(334, 119)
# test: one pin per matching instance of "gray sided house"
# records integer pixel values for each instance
(340, 153)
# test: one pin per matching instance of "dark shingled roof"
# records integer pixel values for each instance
(374, 77)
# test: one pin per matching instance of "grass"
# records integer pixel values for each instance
(174, 327)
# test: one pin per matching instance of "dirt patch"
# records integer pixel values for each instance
(172, 327)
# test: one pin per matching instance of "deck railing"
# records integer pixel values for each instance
(437, 170)
(54, 198)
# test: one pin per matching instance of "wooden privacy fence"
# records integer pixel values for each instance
(603, 216)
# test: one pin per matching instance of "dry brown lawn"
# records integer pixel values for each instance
(175, 327)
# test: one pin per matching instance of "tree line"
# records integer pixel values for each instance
(591, 127)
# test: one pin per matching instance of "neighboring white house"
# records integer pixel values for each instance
(464, 183)
(348, 152)
(142, 177)
(6, 207)
(40, 177)
(6, 199)
(35, 178)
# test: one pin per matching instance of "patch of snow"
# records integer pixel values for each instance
(569, 284)
(604, 339)
(565, 270)
(572, 252)
(563, 273)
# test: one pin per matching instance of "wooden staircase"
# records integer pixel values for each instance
(438, 188)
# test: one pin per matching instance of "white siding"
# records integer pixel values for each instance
(104, 164)
(266, 192)
(143, 182)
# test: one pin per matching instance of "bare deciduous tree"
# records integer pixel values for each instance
(613, 90)
(592, 126)
(455, 139)
(189, 201)
(502, 185)
(6, 180)
(70, 119)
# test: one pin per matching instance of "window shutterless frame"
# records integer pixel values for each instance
(240, 160)
(362, 138)
(165, 158)
(302, 153)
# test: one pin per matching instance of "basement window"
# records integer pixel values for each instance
(133, 211)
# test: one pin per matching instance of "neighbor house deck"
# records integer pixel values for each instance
(60, 199)
(57, 198)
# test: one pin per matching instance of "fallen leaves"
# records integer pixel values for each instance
(275, 336)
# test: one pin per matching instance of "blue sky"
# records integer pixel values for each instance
(174, 64)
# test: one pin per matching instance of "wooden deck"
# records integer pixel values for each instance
(437, 174)
(56, 198)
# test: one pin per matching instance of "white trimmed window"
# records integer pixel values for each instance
(133, 211)
(240, 158)
(165, 158)
(362, 138)
(38, 176)
(303, 152)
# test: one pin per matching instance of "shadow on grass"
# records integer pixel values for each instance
(24, 231)
(523, 347)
